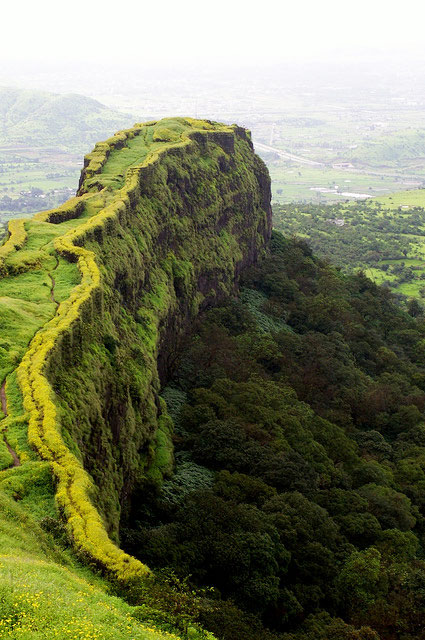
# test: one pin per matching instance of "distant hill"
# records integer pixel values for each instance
(41, 119)
(402, 147)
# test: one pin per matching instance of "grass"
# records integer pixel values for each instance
(377, 275)
(414, 198)
(46, 594)
(25, 298)
(66, 277)
(151, 139)
(119, 160)
(20, 318)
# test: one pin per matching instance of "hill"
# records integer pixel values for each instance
(207, 431)
(94, 299)
(41, 119)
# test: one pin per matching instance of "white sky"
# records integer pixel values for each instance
(197, 31)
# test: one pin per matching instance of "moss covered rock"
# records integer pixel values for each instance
(167, 215)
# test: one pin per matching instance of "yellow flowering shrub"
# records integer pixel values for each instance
(16, 240)
(72, 208)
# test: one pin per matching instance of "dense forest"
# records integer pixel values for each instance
(296, 509)
(384, 238)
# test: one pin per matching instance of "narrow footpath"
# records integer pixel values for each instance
(16, 461)
(53, 284)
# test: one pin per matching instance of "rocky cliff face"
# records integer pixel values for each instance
(167, 216)
(202, 215)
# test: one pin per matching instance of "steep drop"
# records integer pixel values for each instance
(166, 217)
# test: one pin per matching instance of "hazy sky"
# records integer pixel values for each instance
(207, 32)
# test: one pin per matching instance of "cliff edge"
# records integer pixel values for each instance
(95, 297)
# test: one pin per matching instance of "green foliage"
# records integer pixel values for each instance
(188, 477)
(174, 399)
(15, 241)
(383, 237)
(166, 134)
(163, 459)
(170, 603)
(359, 578)
(313, 438)
(45, 593)
(323, 627)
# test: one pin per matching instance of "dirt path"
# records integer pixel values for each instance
(52, 291)
(52, 288)
(16, 461)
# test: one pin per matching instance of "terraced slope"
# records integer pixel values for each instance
(93, 298)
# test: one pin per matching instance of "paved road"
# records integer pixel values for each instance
(314, 163)
(289, 156)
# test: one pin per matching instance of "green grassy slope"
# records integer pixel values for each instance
(413, 198)
(404, 147)
(39, 118)
(45, 593)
